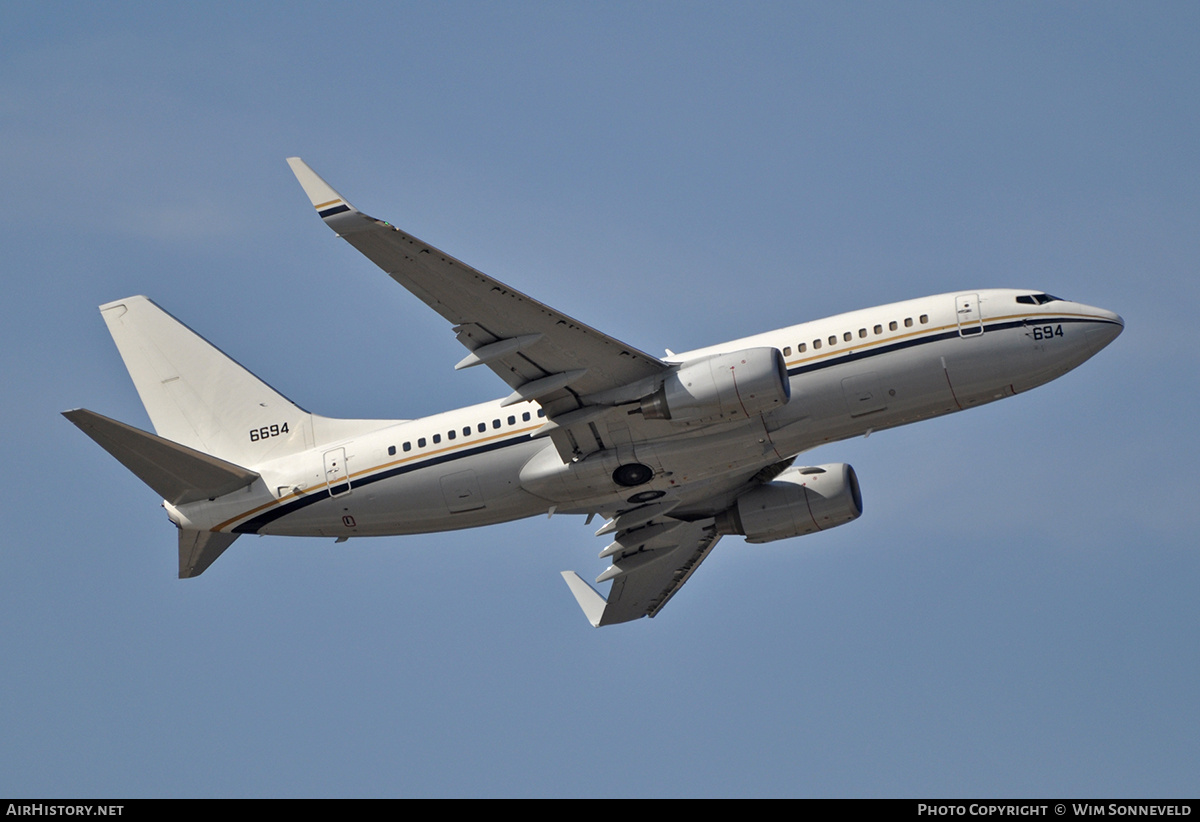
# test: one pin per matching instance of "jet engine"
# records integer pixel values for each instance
(736, 385)
(799, 501)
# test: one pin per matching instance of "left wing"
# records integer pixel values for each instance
(652, 561)
(543, 354)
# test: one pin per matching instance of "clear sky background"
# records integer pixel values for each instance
(1015, 613)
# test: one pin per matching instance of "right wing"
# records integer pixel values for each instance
(541, 353)
(653, 561)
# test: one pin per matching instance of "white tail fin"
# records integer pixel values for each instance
(198, 396)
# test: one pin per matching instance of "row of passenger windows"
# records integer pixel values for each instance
(466, 431)
(848, 336)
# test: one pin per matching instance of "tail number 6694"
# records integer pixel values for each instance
(267, 431)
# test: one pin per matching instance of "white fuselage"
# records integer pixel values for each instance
(849, 375)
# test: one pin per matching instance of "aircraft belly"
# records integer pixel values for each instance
(676, 463)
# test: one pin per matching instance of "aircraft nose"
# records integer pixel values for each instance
(1107, 326)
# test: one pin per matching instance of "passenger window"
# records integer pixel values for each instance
(482, 427)
(924, 319)
(407, 446)
(878, 329)
(892, 326)
(816, 344)
(908, 322)
(525, 417)
(421, 442)
(847, 336)
(391, 450)
(541, 412)
(437, 438)
(802, 347)
(832, 339)
(466, 430)
(862, 332)
(495, 423)
(512, 420)
(787, 351)
(451, 434)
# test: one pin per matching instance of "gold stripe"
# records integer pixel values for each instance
(326, 205)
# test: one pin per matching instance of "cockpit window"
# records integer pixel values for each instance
(1038, 299)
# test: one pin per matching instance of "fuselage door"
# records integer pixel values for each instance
(970, 320)
(337, 478)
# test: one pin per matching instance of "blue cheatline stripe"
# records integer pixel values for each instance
(251, 526)
(329, 212)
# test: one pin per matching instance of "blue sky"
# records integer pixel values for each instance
(1014, 615)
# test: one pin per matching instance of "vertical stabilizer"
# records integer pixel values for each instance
(199, 397)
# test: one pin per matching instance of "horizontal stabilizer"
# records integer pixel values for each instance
(199, 549)
(179, 474)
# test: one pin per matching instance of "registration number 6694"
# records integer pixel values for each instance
(267, 431)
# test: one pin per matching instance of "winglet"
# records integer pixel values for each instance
(589, 600)
(325, 200)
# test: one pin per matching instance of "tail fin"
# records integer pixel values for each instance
(199, 397)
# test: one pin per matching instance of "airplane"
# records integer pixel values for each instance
(673, 452)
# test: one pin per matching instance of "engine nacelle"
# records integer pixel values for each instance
(736, 385)
(799, 501)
